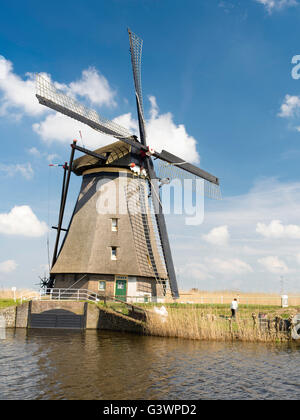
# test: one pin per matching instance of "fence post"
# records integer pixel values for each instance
(276, 324)
(78, 294)
(290, 327)
(230, 325)
(58, 294)
(254, 317)
(269, 323)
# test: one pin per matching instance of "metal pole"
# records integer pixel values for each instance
(65, 167)
(63, 201)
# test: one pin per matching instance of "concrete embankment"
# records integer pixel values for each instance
(59, 314)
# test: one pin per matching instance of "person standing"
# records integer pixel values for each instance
(234, 307)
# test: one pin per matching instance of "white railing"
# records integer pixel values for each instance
(89, 295)
(63, 294)
(86, 295)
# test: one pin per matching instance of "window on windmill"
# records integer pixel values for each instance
(102, 285)
(149, 261)
(113, 252)
(114, 225)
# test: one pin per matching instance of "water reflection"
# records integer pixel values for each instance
(60, 364)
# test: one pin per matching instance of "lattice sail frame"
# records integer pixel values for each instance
(136, 47)
(50, 96)
(135, 191)
(168, 170)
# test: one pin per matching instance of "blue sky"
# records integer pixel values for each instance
(215, 75)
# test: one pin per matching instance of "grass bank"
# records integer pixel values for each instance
(5, 303)
(212, 322)
(7, 296)
(223, 310)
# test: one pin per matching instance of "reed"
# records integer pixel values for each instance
(8, 294)
(201, 324)
(195, 296)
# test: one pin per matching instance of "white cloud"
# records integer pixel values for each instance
(194, 270)
(226, 5)
(58, 127)
(298, 258)
(230, 266)
(128, 122)
(22, 221)
(24, 170)
(17, 94)
(217, 236)
(50, 158)
(94, 86)
(268, 200)
(8, 266)
(164, 133)
(290, 106)
(277, 230)
(37, 154)
(34, 152)
(272, 5)
(274, 265)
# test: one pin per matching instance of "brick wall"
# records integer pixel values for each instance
(40, 306)
(106, 319)
(9, 316)
(96, 317)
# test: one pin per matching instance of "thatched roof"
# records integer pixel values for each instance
(114, 151)
(87, 245)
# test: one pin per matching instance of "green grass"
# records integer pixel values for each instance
(115, 306)
(244, 311)
(5, 303)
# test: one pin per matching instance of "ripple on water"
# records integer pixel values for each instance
(58, 364)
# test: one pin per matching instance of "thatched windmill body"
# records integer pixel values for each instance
(117, 241)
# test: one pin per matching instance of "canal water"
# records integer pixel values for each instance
(57, 364)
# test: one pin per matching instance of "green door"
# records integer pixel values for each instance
(121, 286)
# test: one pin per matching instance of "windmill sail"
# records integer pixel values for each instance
(48, 95)
(136, 46)
(165, 170)
(136, 56)
(147, 242)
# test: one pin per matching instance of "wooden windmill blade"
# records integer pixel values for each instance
(136, 56)
(48, 95)
(136, 45)
(186, 166)
(169, 166)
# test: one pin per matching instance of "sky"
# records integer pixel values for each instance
(221, 90)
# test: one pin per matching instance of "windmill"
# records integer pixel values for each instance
(116, 253)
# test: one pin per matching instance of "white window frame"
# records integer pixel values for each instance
(114, 227)
(102, 281)
(113, 250)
